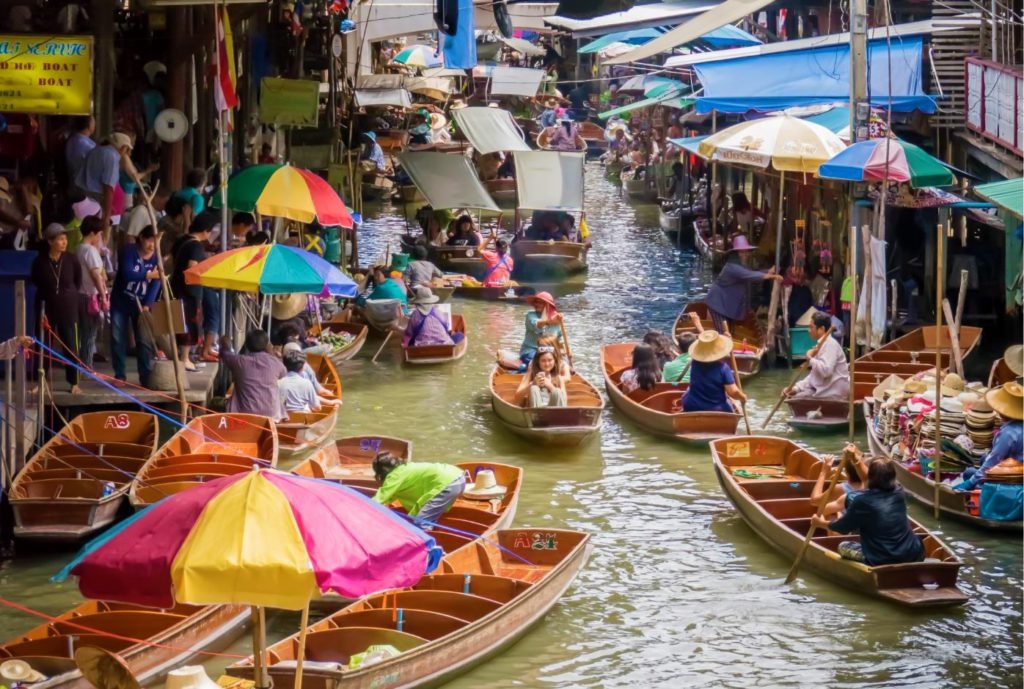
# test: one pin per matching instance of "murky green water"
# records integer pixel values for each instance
(679, 591)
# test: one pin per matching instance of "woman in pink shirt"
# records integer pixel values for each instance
(499, 265)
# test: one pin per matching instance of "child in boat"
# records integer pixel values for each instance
(830, 376)
(879, 515)
(543, 384)
(854, 485)
(645, 372)
(543, 321)
(663, 346)
(297, 393)
(425, 490)
(426, 326)
(712, 383)
(678, 369)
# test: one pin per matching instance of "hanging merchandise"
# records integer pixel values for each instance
(797, 271)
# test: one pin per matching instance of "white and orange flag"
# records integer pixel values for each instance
(225, 95)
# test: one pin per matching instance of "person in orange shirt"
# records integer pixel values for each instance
(499, 265)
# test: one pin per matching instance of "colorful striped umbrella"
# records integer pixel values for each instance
(887, 159)
(260, 538)
(418, 56)
(271, 269)
(283, 191)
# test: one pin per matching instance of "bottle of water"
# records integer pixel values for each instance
(108, 488)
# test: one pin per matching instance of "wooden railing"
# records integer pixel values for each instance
(993, 102)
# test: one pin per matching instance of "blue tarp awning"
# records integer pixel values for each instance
(729, 36)
(814, 76)
(634, 37)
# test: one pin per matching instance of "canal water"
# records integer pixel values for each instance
(679, 591)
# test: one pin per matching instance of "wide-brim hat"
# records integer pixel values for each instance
(287, 306)
(484, 487)
(1007, 467)
(458, 104)
(891, 383)
(543, 297)
(914, 386)
(372, 136)
(741, 243)
(1014, 358)
(1008, 400)
(17, 670)
(952, 385)
(805, 320)
(710, 346)
(190, 677)
(424, 295)
(437, 121)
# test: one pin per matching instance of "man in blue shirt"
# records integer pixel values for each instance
(99, 176)
(136, 287)
(373, 152)
(1008, 401)
(549, 118)
(79, 144)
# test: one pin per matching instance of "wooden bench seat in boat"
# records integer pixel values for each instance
(500, 589)
(339, 645)
(171, 471)
(64, 488)
(111, 449)
(462, 606)
(426, 624)
(770, 488)
(58, 645)
(131, 623)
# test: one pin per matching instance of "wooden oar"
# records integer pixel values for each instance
(736, 374)
(568, 350)
(826, 496)
(786, 390)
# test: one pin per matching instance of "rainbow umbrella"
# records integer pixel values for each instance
(283, 191)
(418, 56)
(887, 159)
(271, 269)
(260, 538)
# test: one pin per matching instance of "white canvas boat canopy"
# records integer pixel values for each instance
(515, 81)
(522, 46)
(639, 17)
(368, 98)
(549, 180)
(490, 129)
(448, 181)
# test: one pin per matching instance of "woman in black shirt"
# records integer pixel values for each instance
(58, 280)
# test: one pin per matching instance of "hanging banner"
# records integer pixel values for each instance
(289, 102)
(46, 75)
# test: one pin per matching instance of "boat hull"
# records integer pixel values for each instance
(440, 354)
(670, 223)
(639, 190)
(534, 257)
(503, 190)
(564, 426)
(835, 415)
(748, 336)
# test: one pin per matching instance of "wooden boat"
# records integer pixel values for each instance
(593, 137)
(669, 221)
(171, 638)
(209, 447)
(748, 336)
(779, 509)
(951, 503)
(393, 141)
(613, 171)
(342, 323)
(544, 140)
(454, 259)
(440, 354)
(820, 416)
(502, 190)
(409, 193)
(478, 291)
(659, 410)
(305, 431)
(75, 484)
(483, 600)
(639, 189)
(909, 355)
(350, 460)
(569, 425)
(562, 258)
(382, 315)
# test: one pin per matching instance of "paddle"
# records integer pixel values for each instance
(847, 453)
(736, 374)
(565, 343)
(786, 390)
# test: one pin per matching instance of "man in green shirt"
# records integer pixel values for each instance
(426, 490)
(673, 371)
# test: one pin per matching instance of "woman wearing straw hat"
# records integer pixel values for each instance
(543, 321)
(426, 326)
(712, 382)
(727, 299)
(1008, 401)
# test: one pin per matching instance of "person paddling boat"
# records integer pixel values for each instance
(543, 321)
(712, 382)
(830, 375)
(727, 299)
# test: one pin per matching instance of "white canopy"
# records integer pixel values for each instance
(490, 129)
(437, 88)
(448, 181)
(522, 46)
(549, 180)
(515, 81)
(638, 17)
(399, 98)
(443, 72)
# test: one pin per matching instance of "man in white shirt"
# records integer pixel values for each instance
(830, 374)
(297, 393)
(133, 222)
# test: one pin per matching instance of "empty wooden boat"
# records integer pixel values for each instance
(952, 503)
(75, 484)
(474, 290)
(304, 431)
(549, 257)
(594, 137)
(569, 425)
(209, 447)
(748, 336)
(344, 335)
(502, 190)
(660, 410)
(458, 259)
(440, 354)
(483, 600)
(779, 509)
(818, 415)
(171, 637)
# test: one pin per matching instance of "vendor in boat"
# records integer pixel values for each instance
(420, 270)
(426, 325)
(1008, 401)
(307, 372)
(856, 482)
(548, 118)
(385, 287)
(727, 299)
(543, 384)
(372, 157)
(679, 188)
(678, 369)
(744, 215)
(879, 515)
(255, 372)
(563, 136)
(644, 372)
(463, 233)
(830, 375)
(499, 263)
(424, 489)
(543, 321)
(712, 383)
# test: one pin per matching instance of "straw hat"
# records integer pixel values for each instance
(710, 346)
(437, 121)
(1014, 358)
(806, 319)
(1008, 400)
(550, 103)
(952, 385)
(458, 104)
(19, 671)
(890, 384)
(914, 387)
(543, 297)
(104, 669)
(1007, 467)
(288, 306)
(485, 487)
(423, 295)
(741, 243)
(190, 677)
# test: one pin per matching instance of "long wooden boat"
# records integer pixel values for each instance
(659, 410)
(549, 257)
(513, 292)
(304, 431)
(593, 136)
(670, 221)
(747, 335)
(544, 140)
(951, 502)
(569, 425)
(484, 599)
(75, 484)
(382, 315)
(639, 189)
(909, 355)
(779, 509)
(502, 190)
(209, 447)
(171, 638)
(342, 322)
(440, 354)
(818, 415)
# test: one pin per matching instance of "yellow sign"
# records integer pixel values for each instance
(46, 75)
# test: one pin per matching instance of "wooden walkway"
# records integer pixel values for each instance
(95, 395)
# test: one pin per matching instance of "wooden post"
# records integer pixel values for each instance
(20, 330)
(940, 251)
(300, 656)
(773, 305)
(956, 357)
(961, 297)
(259, 645)
(713, 218)
(854, 238)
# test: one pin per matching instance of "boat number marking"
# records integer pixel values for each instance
(370, 444)
(738, 450)
(119, 421)
(536, 541)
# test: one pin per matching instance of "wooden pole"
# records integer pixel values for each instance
(300, 656)
(259, 645)
(20, 330)
(565, 343)
(736, 374)
(713, 218)
(940, 252)
(387, 338)
(956, 358)
(961, 297)
(826, 496)
(773, 305)
(851, 421)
